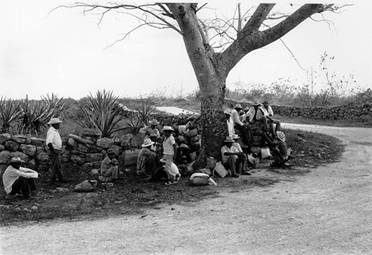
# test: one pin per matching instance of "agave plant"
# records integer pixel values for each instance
(101, 112)
(143, 111)
(10, 112)
(36, 114)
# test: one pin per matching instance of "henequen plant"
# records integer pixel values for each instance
(37, 113)
(10, 112)
(100, 112)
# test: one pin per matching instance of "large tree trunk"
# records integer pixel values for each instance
(211, 78)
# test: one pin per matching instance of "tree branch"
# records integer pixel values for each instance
(253, 39)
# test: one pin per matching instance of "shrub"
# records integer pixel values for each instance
(101, 112)
(10, 113)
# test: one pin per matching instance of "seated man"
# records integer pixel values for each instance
(269, 113)
(242, 155)
(146, 161)
(17, 179)
(279, 150)
(109, 167)
(231, 157)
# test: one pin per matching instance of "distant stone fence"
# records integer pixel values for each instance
(86, 151)
(354, 112)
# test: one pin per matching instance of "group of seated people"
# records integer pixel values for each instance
(167, 154)
(258, 131)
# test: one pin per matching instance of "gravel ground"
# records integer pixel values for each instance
(327, 211)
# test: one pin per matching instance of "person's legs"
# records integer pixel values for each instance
(24, 186)
(55, 166)
(231, 164)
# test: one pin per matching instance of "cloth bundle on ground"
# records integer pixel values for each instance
(86, 186)
(201, 179)
(220, 170)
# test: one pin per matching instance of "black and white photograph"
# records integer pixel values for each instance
(185, 127)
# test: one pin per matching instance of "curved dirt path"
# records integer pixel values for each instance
(327, 211)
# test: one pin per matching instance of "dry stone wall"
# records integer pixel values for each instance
(85, 151)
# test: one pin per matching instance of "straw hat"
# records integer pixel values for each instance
(147, 142)
(54, 121)
(238, 106)
(16, 160)
(228, 140)
(235, 136)
(154, 122)
(168, 128)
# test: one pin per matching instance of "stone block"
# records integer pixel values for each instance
(37, 141)
(65, 157)
(5, 137)
(126, 140)
(19, 154)
(19, 139)
(4, 157)
(42, 156)
(91, 157)
(11, 145)
(80, 139)
(77, 159)
(90, 132)
(82, 148)
(71, 142)
(28, 149)
(2, 147)
(105, 142)
(31, 164)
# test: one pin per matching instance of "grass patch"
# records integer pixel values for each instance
(130, 196)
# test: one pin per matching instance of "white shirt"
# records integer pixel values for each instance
(260, 113)
(236, 117)
(168, 143)
(230, 127)
(238, 147)
(11, 174)
(269, 111)
(54, 138)
(172, 169)
(224, 149)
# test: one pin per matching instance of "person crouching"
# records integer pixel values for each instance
(146, 160)
(19, 180)
(109, 167)
(230, 157)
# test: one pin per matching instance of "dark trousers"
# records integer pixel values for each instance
(55, 165)
(235, 165)
(244, 133)
(23, 185)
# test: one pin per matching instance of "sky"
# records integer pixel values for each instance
(66, 53)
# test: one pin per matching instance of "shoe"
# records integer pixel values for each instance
(235, 176)
(246, 173)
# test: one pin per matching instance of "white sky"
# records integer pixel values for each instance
(64, 52)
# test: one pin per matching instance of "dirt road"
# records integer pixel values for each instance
(327, 211)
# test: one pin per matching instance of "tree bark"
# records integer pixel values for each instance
(211, 78)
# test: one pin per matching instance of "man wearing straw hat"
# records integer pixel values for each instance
(146, 161)
(54, 144)
(17, 179)
(231, 157)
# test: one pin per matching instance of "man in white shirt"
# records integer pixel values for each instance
(238, 124)
(267, 109)
(230, 157)
(54, 144)
(17, 179)
(269, 113)
(229, 123)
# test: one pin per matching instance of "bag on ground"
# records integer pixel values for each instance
(199, 179)
(220, 170)
(265, 153)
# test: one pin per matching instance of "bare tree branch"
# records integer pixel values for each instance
(254, 39)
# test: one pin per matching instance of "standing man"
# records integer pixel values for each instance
(54, 144)
(229, 123)
(238, 124)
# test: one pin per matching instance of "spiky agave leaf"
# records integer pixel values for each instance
(10, 112)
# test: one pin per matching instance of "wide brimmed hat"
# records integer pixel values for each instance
(54, 121)
(168, 128)
(228, 112)
(228, 140)
(238, 106)
(235, 136)
(154, 122)
(16, 160)
(147, 142)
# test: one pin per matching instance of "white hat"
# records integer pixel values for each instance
(16, 160)
(147, 142)
(168, 128)
(235, 136)
(54, 121)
